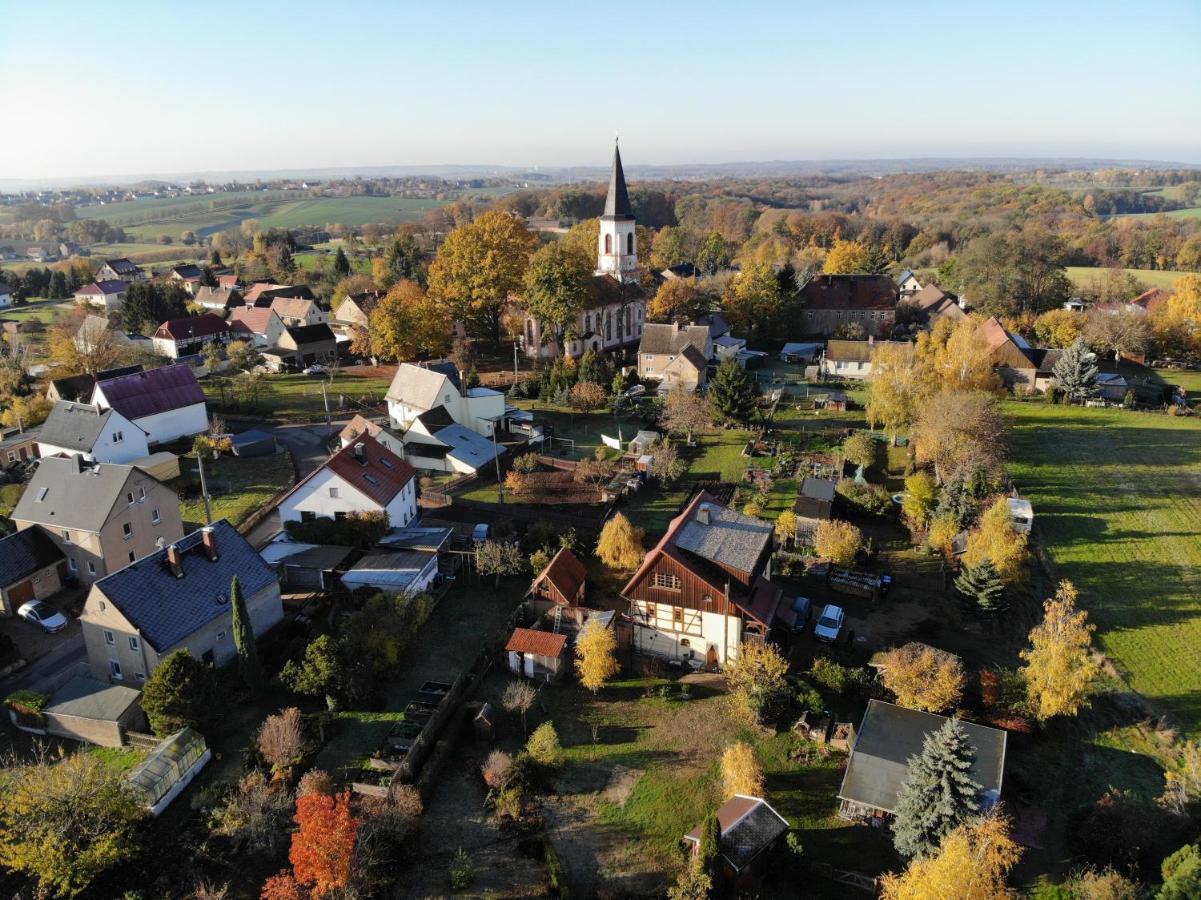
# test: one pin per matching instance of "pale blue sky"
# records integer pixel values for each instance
(154, 87)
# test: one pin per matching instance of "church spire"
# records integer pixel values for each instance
(617, 204)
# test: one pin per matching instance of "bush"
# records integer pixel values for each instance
(526, 463)
(544, 747)
(870, 498)
(362, 530)
(181, 692)
(839, 678)
(496, 768)
(282, 741)
(462, 871)
(30, 703)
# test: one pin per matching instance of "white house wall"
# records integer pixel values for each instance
(314, 496)
(403, 508)
(173, 424)
(664, 637)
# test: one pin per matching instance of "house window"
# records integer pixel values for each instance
(141, 493)
(127, 530)
(587, 322)
(133, 643)
(92, 571)
(12, 455)
(677, 617)
(140, 676)
(108, 638)
(118, 437)
(154, 516)
(667, 580)
(103, 606)
(129, 497)
(114, 669)
(651, 613)
(307, 515)
(333, 492)
(630, 243)
(132, 556)
(608, 244)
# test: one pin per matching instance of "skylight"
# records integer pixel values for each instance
(42, 494)
(370, 478)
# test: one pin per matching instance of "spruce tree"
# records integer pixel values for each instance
(939, 793)
(981, 588)
(248, 652)
(732, 393)
(341, 264)
(1076, 371)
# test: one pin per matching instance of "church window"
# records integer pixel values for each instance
(630, 243)
(608, 244)
(587, 322)
(529, 331)
(629, 323)
(608, 326)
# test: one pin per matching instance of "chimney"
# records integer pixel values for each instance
(175, 561)
(463, 382)
(79, 463)
(360, 453)
(702, 515)
(208, 537)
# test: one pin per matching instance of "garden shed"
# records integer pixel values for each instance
(169, 769)
(537, 654)
(253, 443)
(85, 709)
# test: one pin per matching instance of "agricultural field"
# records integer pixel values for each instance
(1117, 501)
(1082, 275)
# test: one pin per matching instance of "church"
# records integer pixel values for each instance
(615, 311)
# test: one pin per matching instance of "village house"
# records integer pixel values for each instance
(299, 312)
(120, 269)
(614, 312)
(749, 829)
(300, 346)
(79, 388)
(1011, 356)
(675, 354)
(104, 294)
(355, 310)
(706, 587)
(933, 303)
(434, 442)
(187, 275)
(218, 299)
(166, 403)
(263, 293)
(418, 389)
(258, 325)
(67, 249)
(908, 285)
(32, 567)
(831, 302)
(18, 445)
(102, 516)
(888, 738)
(91, 433)
(360, 425)
(814, 504)
(851, 359)
(177, 598)
(182, 337)
(364, 477)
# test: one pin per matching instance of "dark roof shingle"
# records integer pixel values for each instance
(144, 394)
(26, 552)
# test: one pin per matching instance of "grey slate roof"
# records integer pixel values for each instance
(819, 488)
(166, 609)
(670, 339)
(617, 203)
(468, 447)
(74, 426)
(748, 826)
(891, 735)
(88, 698)
(24, 553)
(74, 498)
(730, 538)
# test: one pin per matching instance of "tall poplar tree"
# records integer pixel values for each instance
(248, 652)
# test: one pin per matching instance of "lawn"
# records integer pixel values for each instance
(44, 311)
(1082, 275)
(1190, 381)
(237, 486)
(298, 396)
(1192, 212)
(1117, 503)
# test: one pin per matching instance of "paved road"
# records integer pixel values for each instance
(49, 672)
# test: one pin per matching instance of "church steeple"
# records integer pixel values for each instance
(617, 204)
(617, 247)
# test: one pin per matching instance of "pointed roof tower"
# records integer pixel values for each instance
(617, 204)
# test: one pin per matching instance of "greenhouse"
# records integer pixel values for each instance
(170, 768)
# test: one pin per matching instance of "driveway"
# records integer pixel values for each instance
(309, 443)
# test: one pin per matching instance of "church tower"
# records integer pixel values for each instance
(617, 249)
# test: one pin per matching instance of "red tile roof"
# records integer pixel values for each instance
(849, 292)
(142, 394)
(536, 643)
(250, 318)
(192, 327)
(380, 474)
(565, 572)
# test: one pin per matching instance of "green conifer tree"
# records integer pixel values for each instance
(1076, 371)
(939, 793)
(248, 652)
(981, 588)
(732, 393)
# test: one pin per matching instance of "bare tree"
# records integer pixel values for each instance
(518, 698)
(281, 739)
(686, 412)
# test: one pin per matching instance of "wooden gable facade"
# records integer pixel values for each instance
(562, 581)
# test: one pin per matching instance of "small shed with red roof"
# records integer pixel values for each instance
(537, 654)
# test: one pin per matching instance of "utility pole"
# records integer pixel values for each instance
(514, 362)
(325, 400)
(204, 490)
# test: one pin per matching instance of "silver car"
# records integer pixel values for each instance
(46, 617)
(829, 623)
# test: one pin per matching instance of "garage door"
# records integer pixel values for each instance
(303, 578)
(19, 593)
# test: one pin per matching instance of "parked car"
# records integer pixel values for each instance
(315, 369)
(801, 608)
(46, 617)
(480, 532)
(829, 624)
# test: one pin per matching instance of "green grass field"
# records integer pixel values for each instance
(1082, 275)
(1193, 212)
(1117, 503)
(296, 396)
(237, 487)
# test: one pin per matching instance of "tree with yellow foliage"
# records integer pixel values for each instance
(920, 499)
(786, 525)
(972, 863)
(923, 677)
(845, 258)
(955, 356)
(1059, 327)
(479, 267)
(896, 389)
(1177, 323)
(1059, 668)
(997, 540)
(620, 543)
(941, 534)
(27, 411)
(756, 678)
(595, 647)
(838, 541)
(409, 324)
(741, 771)
(753, 299)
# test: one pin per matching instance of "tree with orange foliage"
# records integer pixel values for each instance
(323, 846)
(282, 887)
